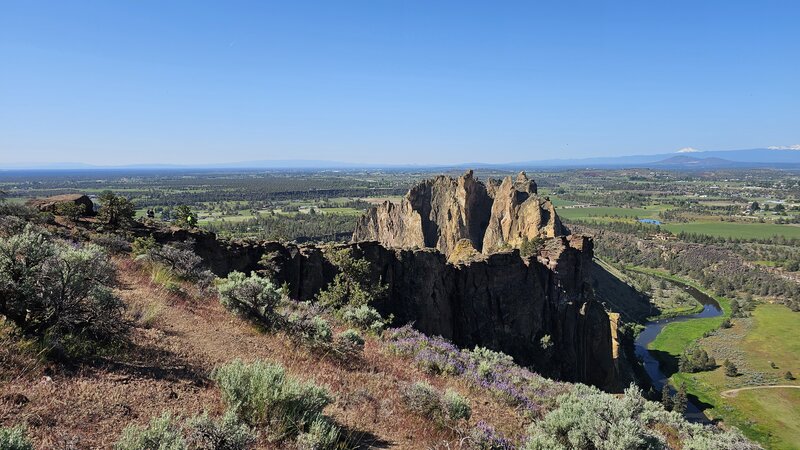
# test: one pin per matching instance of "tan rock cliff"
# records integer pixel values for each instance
(441, 212)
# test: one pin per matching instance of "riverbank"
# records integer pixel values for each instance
(770, 416)
(675, 337)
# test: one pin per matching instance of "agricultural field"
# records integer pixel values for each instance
(735, 230)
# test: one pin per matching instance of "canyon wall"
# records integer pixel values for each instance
(501, 301)
(448, 255)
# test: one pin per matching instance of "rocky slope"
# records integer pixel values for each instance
(444, 211)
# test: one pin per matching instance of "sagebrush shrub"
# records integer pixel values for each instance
(253, 297)
(143, 245)
(261, 394)
(59, 293)
(589, 418)
(182, 261)
(162, 433)
(306, 325)
(455, 406)
(14, 438)
(322, 434)
(444, 409)
(227, 433)
(363, 316)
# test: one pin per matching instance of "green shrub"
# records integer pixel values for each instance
(589, 419)
(456, 407)
(353, 285)
(363, 316)
(446, 409)
(322, 434)
(261, 394)
(59, 293)
(227, 433)
(162, 433)
(489, 361)
(254, 297)
(14, 438)
(351, 338)
(306, 326)
(143, 245)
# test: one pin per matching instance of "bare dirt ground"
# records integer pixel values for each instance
(167, 365)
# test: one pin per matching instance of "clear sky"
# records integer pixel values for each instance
(118, 82)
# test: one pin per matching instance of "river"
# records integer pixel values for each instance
(651, 329)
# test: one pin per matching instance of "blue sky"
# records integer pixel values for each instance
(119, 82)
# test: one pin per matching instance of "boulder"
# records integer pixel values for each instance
(51, 204)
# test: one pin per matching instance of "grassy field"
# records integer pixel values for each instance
(735, 229)
(610, 213)
(770, 416)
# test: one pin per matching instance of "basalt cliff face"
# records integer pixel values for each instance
(501, 301)
(449, 214)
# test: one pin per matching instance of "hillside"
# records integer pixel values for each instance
(142, 328)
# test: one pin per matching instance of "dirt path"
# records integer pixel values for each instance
(734, 392)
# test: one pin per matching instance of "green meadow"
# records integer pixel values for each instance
(770, 416)
(735, 229)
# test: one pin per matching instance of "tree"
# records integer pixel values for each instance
(185, 217)
(353, 285)
(730, 369)
(530, 247)
(681, 400)
(666, 397)
(788, 375)
(115, 210)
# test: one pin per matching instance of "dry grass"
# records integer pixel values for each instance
(167, 364)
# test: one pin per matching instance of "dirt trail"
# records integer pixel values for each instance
(734, 392)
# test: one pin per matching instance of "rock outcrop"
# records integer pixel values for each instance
(441, 212)
(501, 301)
(51, 204)
(437, 253)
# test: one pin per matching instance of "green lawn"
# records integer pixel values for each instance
(735, 229)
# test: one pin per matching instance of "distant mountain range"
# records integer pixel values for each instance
(756, 157)
(701, 160)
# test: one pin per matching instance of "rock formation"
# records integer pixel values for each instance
(501, 301)
(50, 204)
(441, 212)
